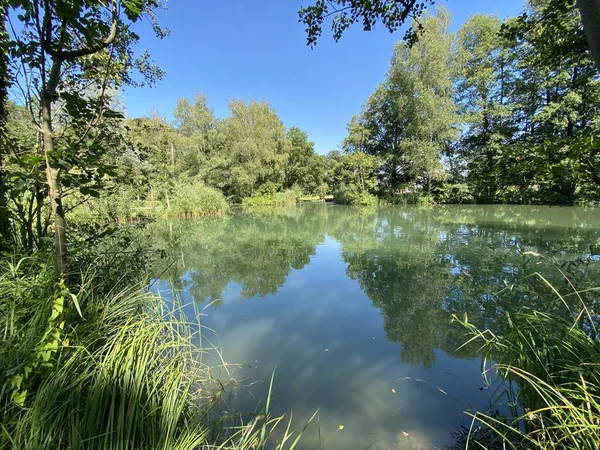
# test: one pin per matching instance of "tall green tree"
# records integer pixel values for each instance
(556, 100)
(303, 168)
(485, 78)
(253, 150)
(64, 48)
(353, 178)
(410, 119)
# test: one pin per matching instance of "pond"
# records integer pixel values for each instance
(352, 308)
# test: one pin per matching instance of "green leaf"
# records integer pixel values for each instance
(85, 190)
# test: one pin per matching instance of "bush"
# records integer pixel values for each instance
(410, 198)
(196, 199)
(450, 193)
(283, 198)
(351, 196)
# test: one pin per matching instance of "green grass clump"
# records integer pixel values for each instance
(80, 371)
(196, 199)
(107, 368)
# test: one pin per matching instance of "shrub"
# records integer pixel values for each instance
(283, 198)
(409, 198)
(454, 193)
(351, 196)
(196, 199)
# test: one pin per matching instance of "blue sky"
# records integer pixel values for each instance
(256, 49)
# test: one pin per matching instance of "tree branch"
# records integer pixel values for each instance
(85, 51)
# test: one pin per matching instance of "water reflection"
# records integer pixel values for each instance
(354, 301)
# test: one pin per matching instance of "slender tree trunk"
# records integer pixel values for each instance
(52, 173)
(4, 222)
(590, 16)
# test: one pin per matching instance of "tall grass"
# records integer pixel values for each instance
(196, 199)
(549, 366)
(184, 199)
(108, 368)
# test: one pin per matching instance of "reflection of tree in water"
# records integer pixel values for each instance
(257, 250)
(418, 266)
(421, 266)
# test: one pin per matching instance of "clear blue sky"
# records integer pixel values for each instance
(256, 49)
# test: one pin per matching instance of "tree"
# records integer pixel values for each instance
(344, 13)
(303, 168)
(409, 120)
(394, 13)
(354, 178)
(556, 102)
(485, 74)
(253, 150)
(64, 48)
(590, 15)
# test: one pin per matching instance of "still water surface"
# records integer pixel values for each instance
(353, 307)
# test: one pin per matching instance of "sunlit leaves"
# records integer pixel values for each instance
(392, 14)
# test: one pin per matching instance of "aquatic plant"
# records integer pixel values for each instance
(548, 364)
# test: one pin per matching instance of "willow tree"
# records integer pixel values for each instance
(65, 49)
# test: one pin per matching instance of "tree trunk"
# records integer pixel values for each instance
(590, 16)
(5, 234)
(52, 178)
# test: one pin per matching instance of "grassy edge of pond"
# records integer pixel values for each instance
(545, 368)
(112, 366)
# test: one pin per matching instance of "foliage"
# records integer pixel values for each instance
(454, 193)
(247, 154)
(189, 200)
(303, 168)
(107, 367)
(353, 178)
(393, 14)
(552, 357)
(66, 59)
(506, 112)
(283, 198)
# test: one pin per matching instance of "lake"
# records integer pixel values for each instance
(352, 308)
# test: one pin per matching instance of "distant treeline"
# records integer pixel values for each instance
(498, 112)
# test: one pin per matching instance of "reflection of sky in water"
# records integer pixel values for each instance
(326, 342)
(331, 347)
